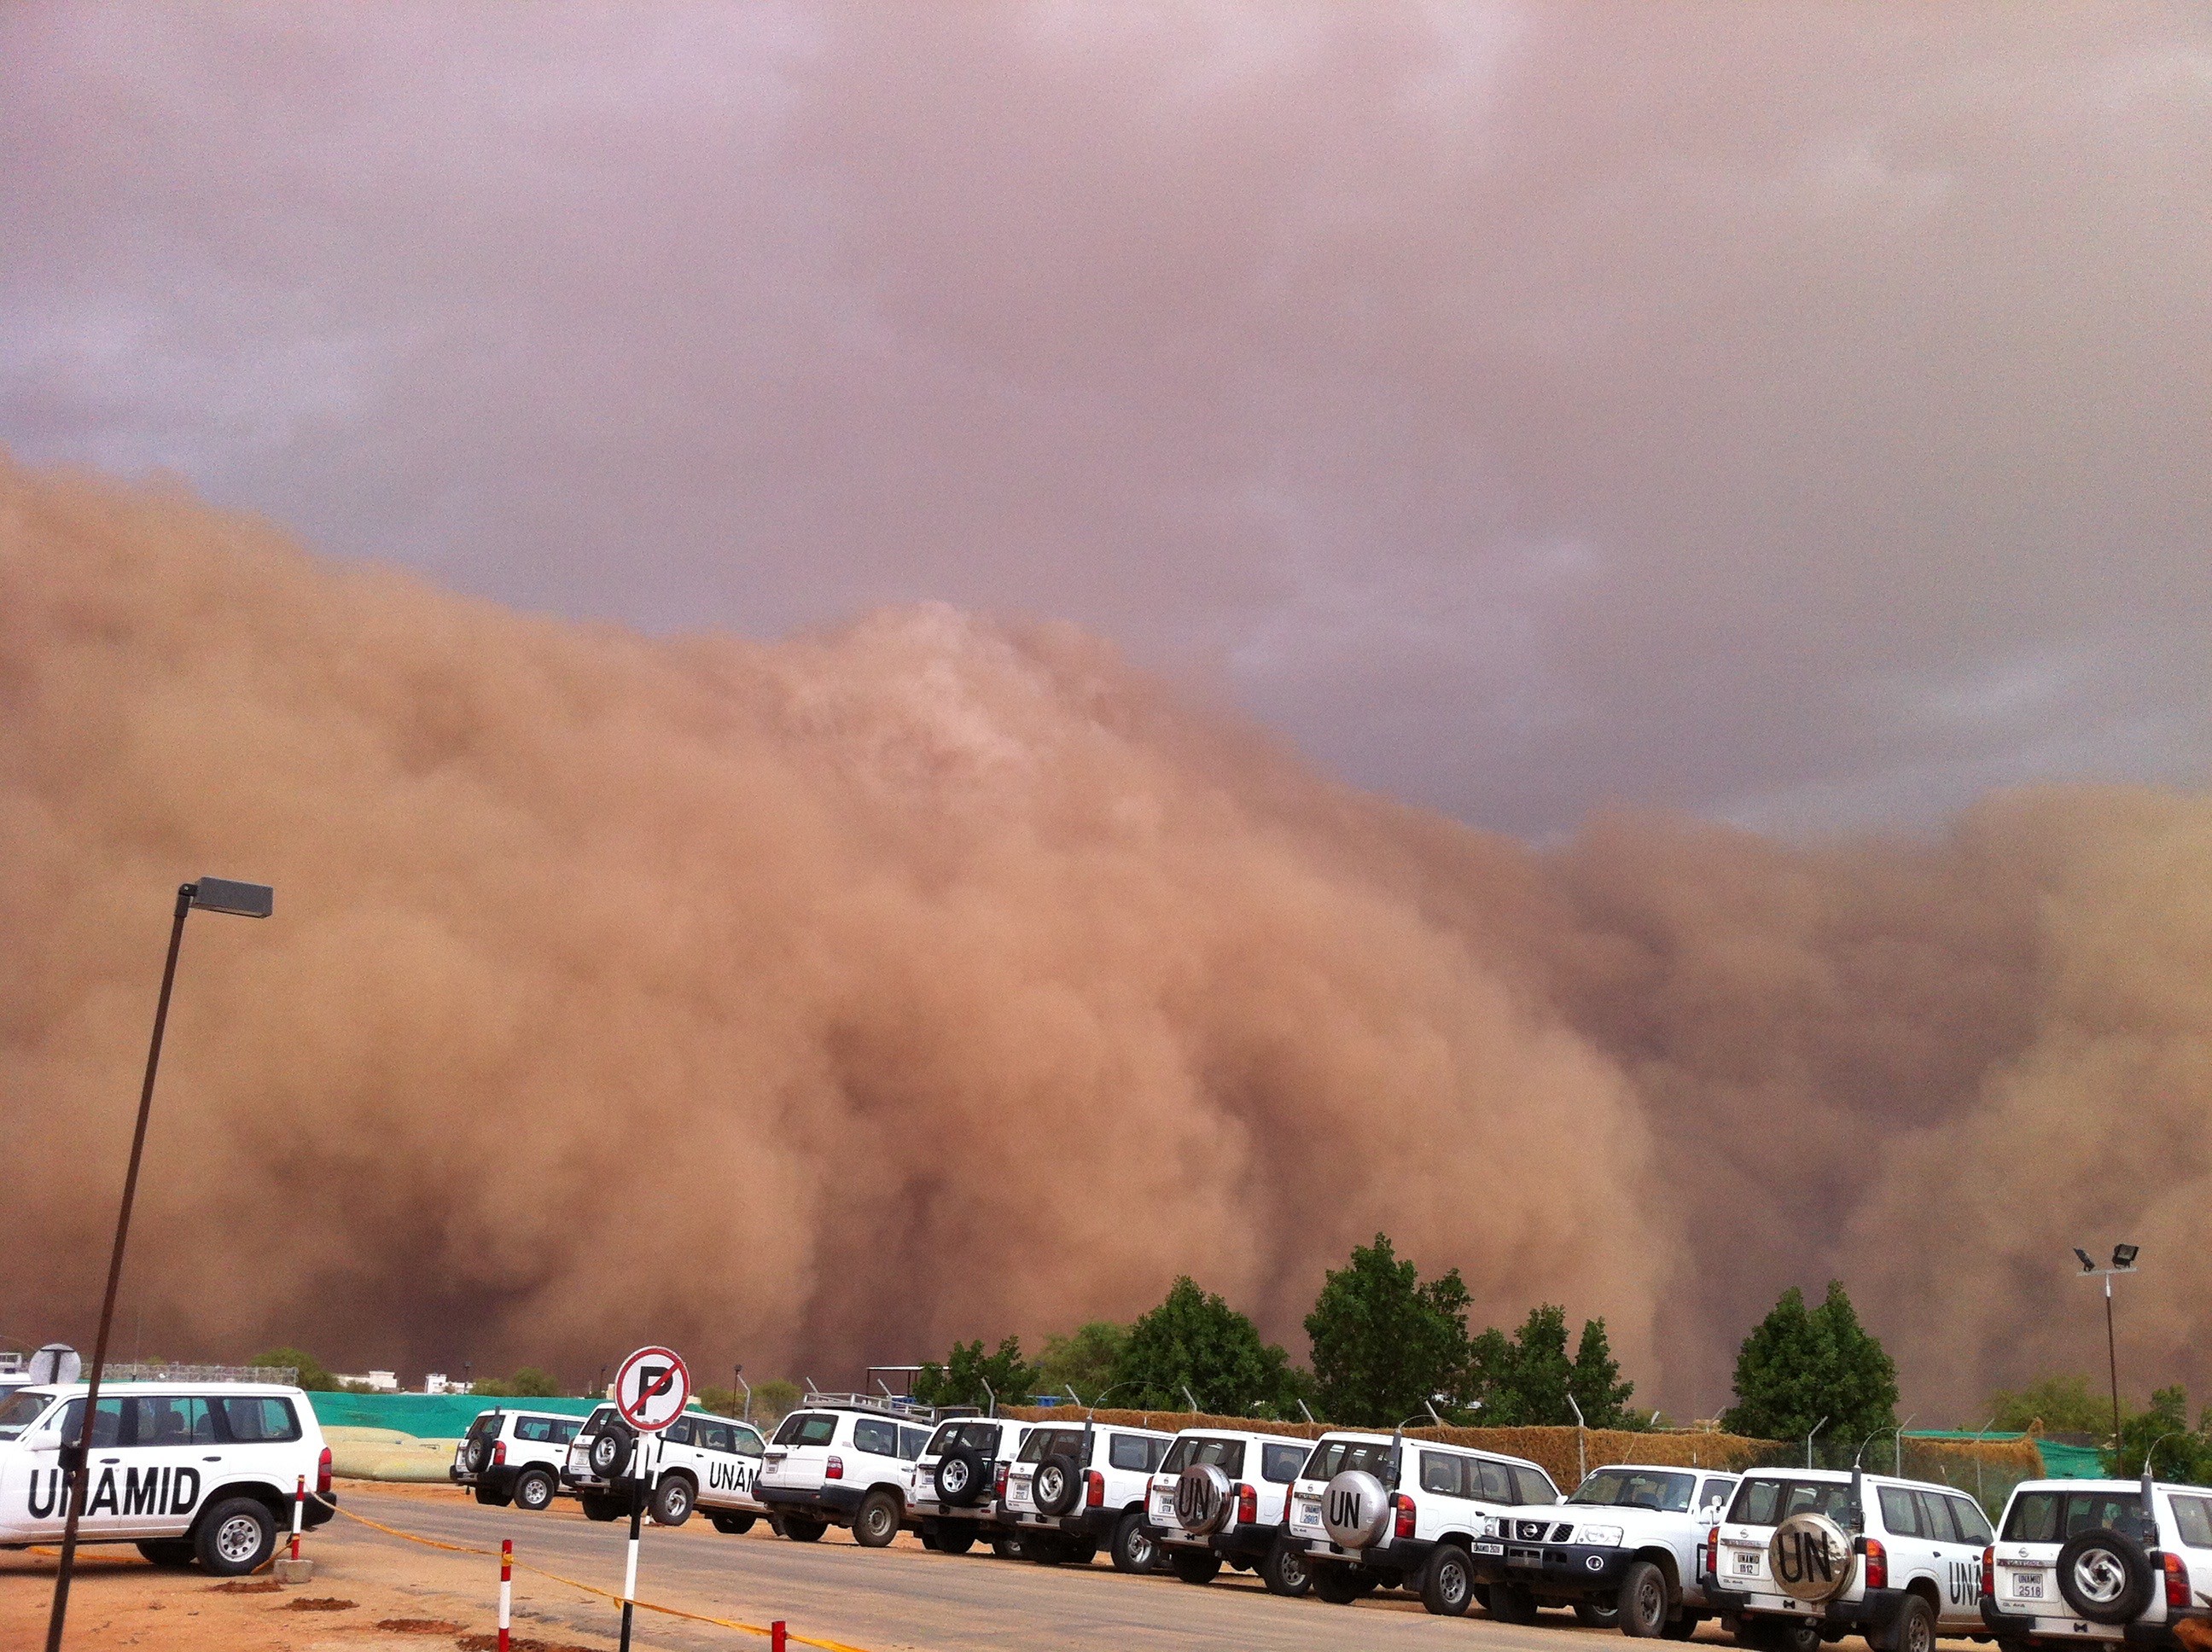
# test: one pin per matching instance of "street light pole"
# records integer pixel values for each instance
(2123, 1262)
(218, 894)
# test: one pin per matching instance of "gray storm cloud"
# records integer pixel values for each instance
(820, 1001)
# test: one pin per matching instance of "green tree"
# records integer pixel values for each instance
(313, 1377)
(1197, 1340)
(773, 1399)
(2186, 1456)
(1084, 1360)
(1594, 1380)
(970, 1377)
(1799, 1366)
(527, 1383)
(1384, 1342)
(2057, 1405)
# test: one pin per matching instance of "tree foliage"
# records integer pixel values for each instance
(313, 1375)
(1197, 1340)
(1803, 1369)
(1384, 1344)
(970, 1377)
(1085, 1359)
(2181, 1453)
(1524, 1381)
(1594, 1381)
(527, 1383)
(2056, 1404)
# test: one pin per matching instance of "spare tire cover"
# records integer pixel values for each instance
(1811, 1558)
(1355, 1509)
(960, 1477)
(611, 1451)
(472, 1455)
(2105, 1575)
(1058, 1486)
(1201, 1498)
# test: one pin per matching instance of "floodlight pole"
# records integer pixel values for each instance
(76, 1455)
(2113, 1361)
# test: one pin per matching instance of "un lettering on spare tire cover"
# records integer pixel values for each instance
(1354, 1508)
(1201, 1498)
(1811, 1558)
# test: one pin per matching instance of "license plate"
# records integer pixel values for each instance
(1308, 1514)
(2026, 1586)
(1490, 1548)
(1747, 1563)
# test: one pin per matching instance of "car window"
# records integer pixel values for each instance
(875, 1435)
(1193, 1451)
(1442, 1474)
(256, 1419)
(533, 1428)
(19, 1412)
(1493, 1482)
(1051, 1442)
(486, 1425)
(1900, 1513)
(1819, 1497)
(565, 1431)
(1335, 1457)
(1714, 1492)
(1534, 1485)
(107, 1428)
(2193, 1518)
(598, 1422)
(1130, 1451)
(2087, 1510)
(912, 1442)
(806, 1428)
(1974, 1525)
(1935, 1519)
(1637, 1488)
(1756, 1501)
(1281, 1463)
(2034, 1517)
(170, 1420)
(710, 1436)
(981, 1438)
(678, 1432)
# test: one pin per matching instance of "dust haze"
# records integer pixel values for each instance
(816, 1002)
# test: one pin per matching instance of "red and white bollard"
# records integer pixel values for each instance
(299, 1509)
(505, 1587)
(775, 1633)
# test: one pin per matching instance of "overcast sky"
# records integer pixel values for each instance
(1795, 414)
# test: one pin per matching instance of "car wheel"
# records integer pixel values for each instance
(1641, 1610)
(168, 1553)
(491, 1499)
(1133, 1548)
(1042, 1548)
(1283, 1571)
(2105, 1575)
(953, 1537)
(1509, 1603)
(1196, 1565)
(1081, 1552)
(1794, 1637)
(235, 1538)
(1916, 1626)
(734, 1525)
(1006, 1548)
(1448, 1581)
(533, 1489)
(1683, 1626)
(1598, 1614)
(800, 1529)
(1335, 1584)
(673, 1500)
(876, 1521)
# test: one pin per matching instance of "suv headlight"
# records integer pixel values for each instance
(1600, 1537)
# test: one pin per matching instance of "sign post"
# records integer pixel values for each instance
(651, 1390)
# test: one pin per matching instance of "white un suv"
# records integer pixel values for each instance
(1628, 1547)
(842, 1460)
(514, 1456)
(698, 1462)
(1380, 1511)
(958, 1479)
(1223, 1495)
(1808, 1554)
(1073, 1489)
(2099, 1560)
(187, 1470)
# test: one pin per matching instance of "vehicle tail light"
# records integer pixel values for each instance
(1877, 1563)
(1404, 1505)
(322, 1474)
(1247, 1505)
(1712, 1554)
(836, 1470)
(1989, 1573)
(1094, 1489)
(498, 1453)
(999, 1484)
(2177, 1579)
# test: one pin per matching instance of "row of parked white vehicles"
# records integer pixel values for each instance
(1785, 1559)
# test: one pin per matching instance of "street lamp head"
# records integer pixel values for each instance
(2088, 1266)
(240, 899)
(2124, 1256)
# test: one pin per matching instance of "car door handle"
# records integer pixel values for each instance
(210, 1460)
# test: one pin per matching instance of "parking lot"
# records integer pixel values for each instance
(900, 1597)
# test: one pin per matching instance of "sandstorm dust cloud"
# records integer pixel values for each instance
(816, 1002)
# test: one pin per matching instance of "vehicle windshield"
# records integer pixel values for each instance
(1630, 1488)
(2055, 1516)
(1051, 1442)
(598, 1419)
(807, 1428)
(1332, 1457)
(1769, 1503)
(20, 1412)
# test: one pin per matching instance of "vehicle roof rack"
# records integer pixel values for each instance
(911, 1410)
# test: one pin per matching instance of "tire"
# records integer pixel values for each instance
(533, 1489)
(1057, 1485)
(236, 1537)
(1335, 1584)
(1042, 1548)
(961, 1477)
(600, 1505)
(1006, 1548)
(954, 1538)
(1195, 1565)
(610, 1452)
(1283, 1571)
(1641, 1609)
(2105, 1575)
(1916, 1626)
(674, 1499)
(876, 1521)
(1081, 1552)
(170, 1553)
(1683, 1626)
(1509, 1603)
(803, 1528)
(1448, 1581)
(1134, 1549)
(472, 1454)
(1598, 1614)
(491, 1499)
(733, 1525)
(1791, 1636)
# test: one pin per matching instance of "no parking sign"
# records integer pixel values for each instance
(651, 1388)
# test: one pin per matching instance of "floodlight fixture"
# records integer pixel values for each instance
(2088, 1265)
(2123, 1257)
